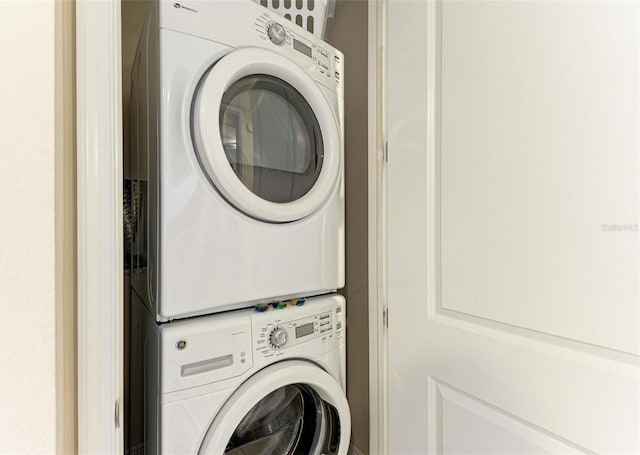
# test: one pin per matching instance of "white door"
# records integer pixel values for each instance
(513, 184)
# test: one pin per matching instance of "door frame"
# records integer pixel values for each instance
(99, 227)
(377, 232)
(99, 235)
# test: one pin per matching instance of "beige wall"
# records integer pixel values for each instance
(27, 229)
(349, 34)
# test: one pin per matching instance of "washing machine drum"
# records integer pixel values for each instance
(302, 413)
(266, 136)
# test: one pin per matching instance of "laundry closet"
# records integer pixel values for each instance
(349, 72)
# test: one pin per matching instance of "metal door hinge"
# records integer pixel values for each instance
(385, 318)
(117, 413)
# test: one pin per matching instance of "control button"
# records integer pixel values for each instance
(338, 325)
(278, 338)
(276, 33)
(278, 305)
(337, 59)
(337, 75)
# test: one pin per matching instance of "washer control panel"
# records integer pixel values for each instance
(278, 331)
(278, 338)
(276, 33)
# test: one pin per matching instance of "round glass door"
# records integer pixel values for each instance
(266, 136)
(289, 408)
(290, 420)
(271, 138)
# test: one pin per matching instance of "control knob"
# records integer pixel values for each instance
(276, 33)
(278, 338)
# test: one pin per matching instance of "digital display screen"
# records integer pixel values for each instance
(301, 47)
(304, 330)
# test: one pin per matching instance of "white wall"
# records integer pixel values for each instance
(27, 228)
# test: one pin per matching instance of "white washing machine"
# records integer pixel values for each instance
(245, 383)
(237, 132)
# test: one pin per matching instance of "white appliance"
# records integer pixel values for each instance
(244, 382)
(237, 130)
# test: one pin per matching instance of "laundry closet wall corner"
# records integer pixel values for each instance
(349, 33)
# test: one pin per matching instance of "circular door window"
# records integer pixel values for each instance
(266, 135)
(290, 420)
(271, 138)
(289, 408)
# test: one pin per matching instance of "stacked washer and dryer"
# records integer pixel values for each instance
(237, 334)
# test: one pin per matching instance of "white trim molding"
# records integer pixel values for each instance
(100, 253)
(377, 168)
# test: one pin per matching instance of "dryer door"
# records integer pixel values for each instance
(289, 408)
(266, 136)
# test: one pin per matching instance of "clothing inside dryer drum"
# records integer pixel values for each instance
(271, 138)
(292, 420)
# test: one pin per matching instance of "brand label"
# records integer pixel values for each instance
(181, 6)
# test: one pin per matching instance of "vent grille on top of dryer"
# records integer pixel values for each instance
(315, 16)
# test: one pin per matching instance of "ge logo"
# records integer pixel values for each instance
(181, 344)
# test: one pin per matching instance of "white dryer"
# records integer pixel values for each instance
(245, 383)
(237, 130)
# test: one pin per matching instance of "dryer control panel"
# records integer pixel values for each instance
(249, 24)
(322, 62)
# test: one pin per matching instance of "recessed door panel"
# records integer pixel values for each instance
(489, 430)
(539, 166)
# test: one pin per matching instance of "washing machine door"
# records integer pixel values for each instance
(266, 136)
(290, 408)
